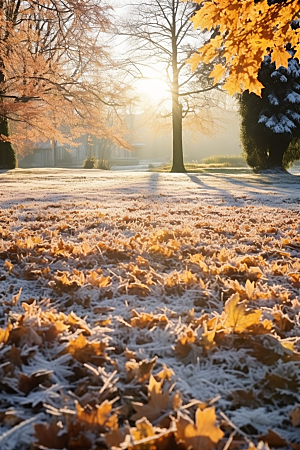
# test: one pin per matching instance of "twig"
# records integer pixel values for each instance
(235, 427)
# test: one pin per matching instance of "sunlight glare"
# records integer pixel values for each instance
(153, 90)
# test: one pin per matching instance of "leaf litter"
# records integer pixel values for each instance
(128, 329)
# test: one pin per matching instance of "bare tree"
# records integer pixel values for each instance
(159, 34)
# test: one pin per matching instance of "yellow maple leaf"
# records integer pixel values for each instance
(217, 73)
(194, 60)
(204, 434)
(98, 417)
(246, 30)
(280, 56)
(158, 402)
(4, 334)
(94, 279)
(232, 86)
(238, 317)
(85, 351)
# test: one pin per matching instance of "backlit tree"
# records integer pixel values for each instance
(54, 72)
(159, 34)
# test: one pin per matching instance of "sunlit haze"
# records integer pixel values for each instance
(153, 89)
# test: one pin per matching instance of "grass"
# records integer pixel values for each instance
(219, 163)
(202, 168)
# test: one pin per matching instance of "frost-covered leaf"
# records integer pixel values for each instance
(238, 317)
(203, 434)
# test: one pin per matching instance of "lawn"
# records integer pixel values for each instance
(149, 311)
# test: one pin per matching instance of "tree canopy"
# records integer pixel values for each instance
(246, 31)
(54, 70)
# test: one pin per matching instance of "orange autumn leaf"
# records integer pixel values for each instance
(94, 279)
(281, 57)
(98, 417)
(4, 334)
(165, 374)
(144, 436)
(158, 402)
(84, 351)
(248, 30)
(238, 317)
(204, 434)
(140, 370)
(217, 73)
(76, 321)
(145, 320)
(142, 430)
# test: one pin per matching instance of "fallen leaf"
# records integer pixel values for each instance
(28, 383)
(204, 434)
(158, 402)
(49, 436)
(295, 416)
(85, 351)
(99, 417)
(238, 317)
(140, 370)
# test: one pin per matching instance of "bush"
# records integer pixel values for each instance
(270, 125)
(103, 164)
(228, 160)
(89, 163)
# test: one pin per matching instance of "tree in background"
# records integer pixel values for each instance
(270, 128)
(54, 73)
(160, 34)
(245, 32)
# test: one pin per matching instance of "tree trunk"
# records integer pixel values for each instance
(8, 158)
(177, 165)
(276, 152)
(54, 144)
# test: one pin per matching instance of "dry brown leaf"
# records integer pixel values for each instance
(238, 317)
(146, 437)
(28, 383)
(14, 356)
(138, 288)
(295, 416)
(273, 439)
(204, 434)
(282, 321)
(249, 287)
(25, 335)
(114, 438)
(49, 436)
(253, 274)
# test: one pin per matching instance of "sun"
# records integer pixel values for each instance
(154, 90)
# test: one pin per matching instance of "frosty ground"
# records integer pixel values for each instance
(110, 278)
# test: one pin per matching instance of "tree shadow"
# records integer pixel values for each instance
(262, 189)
